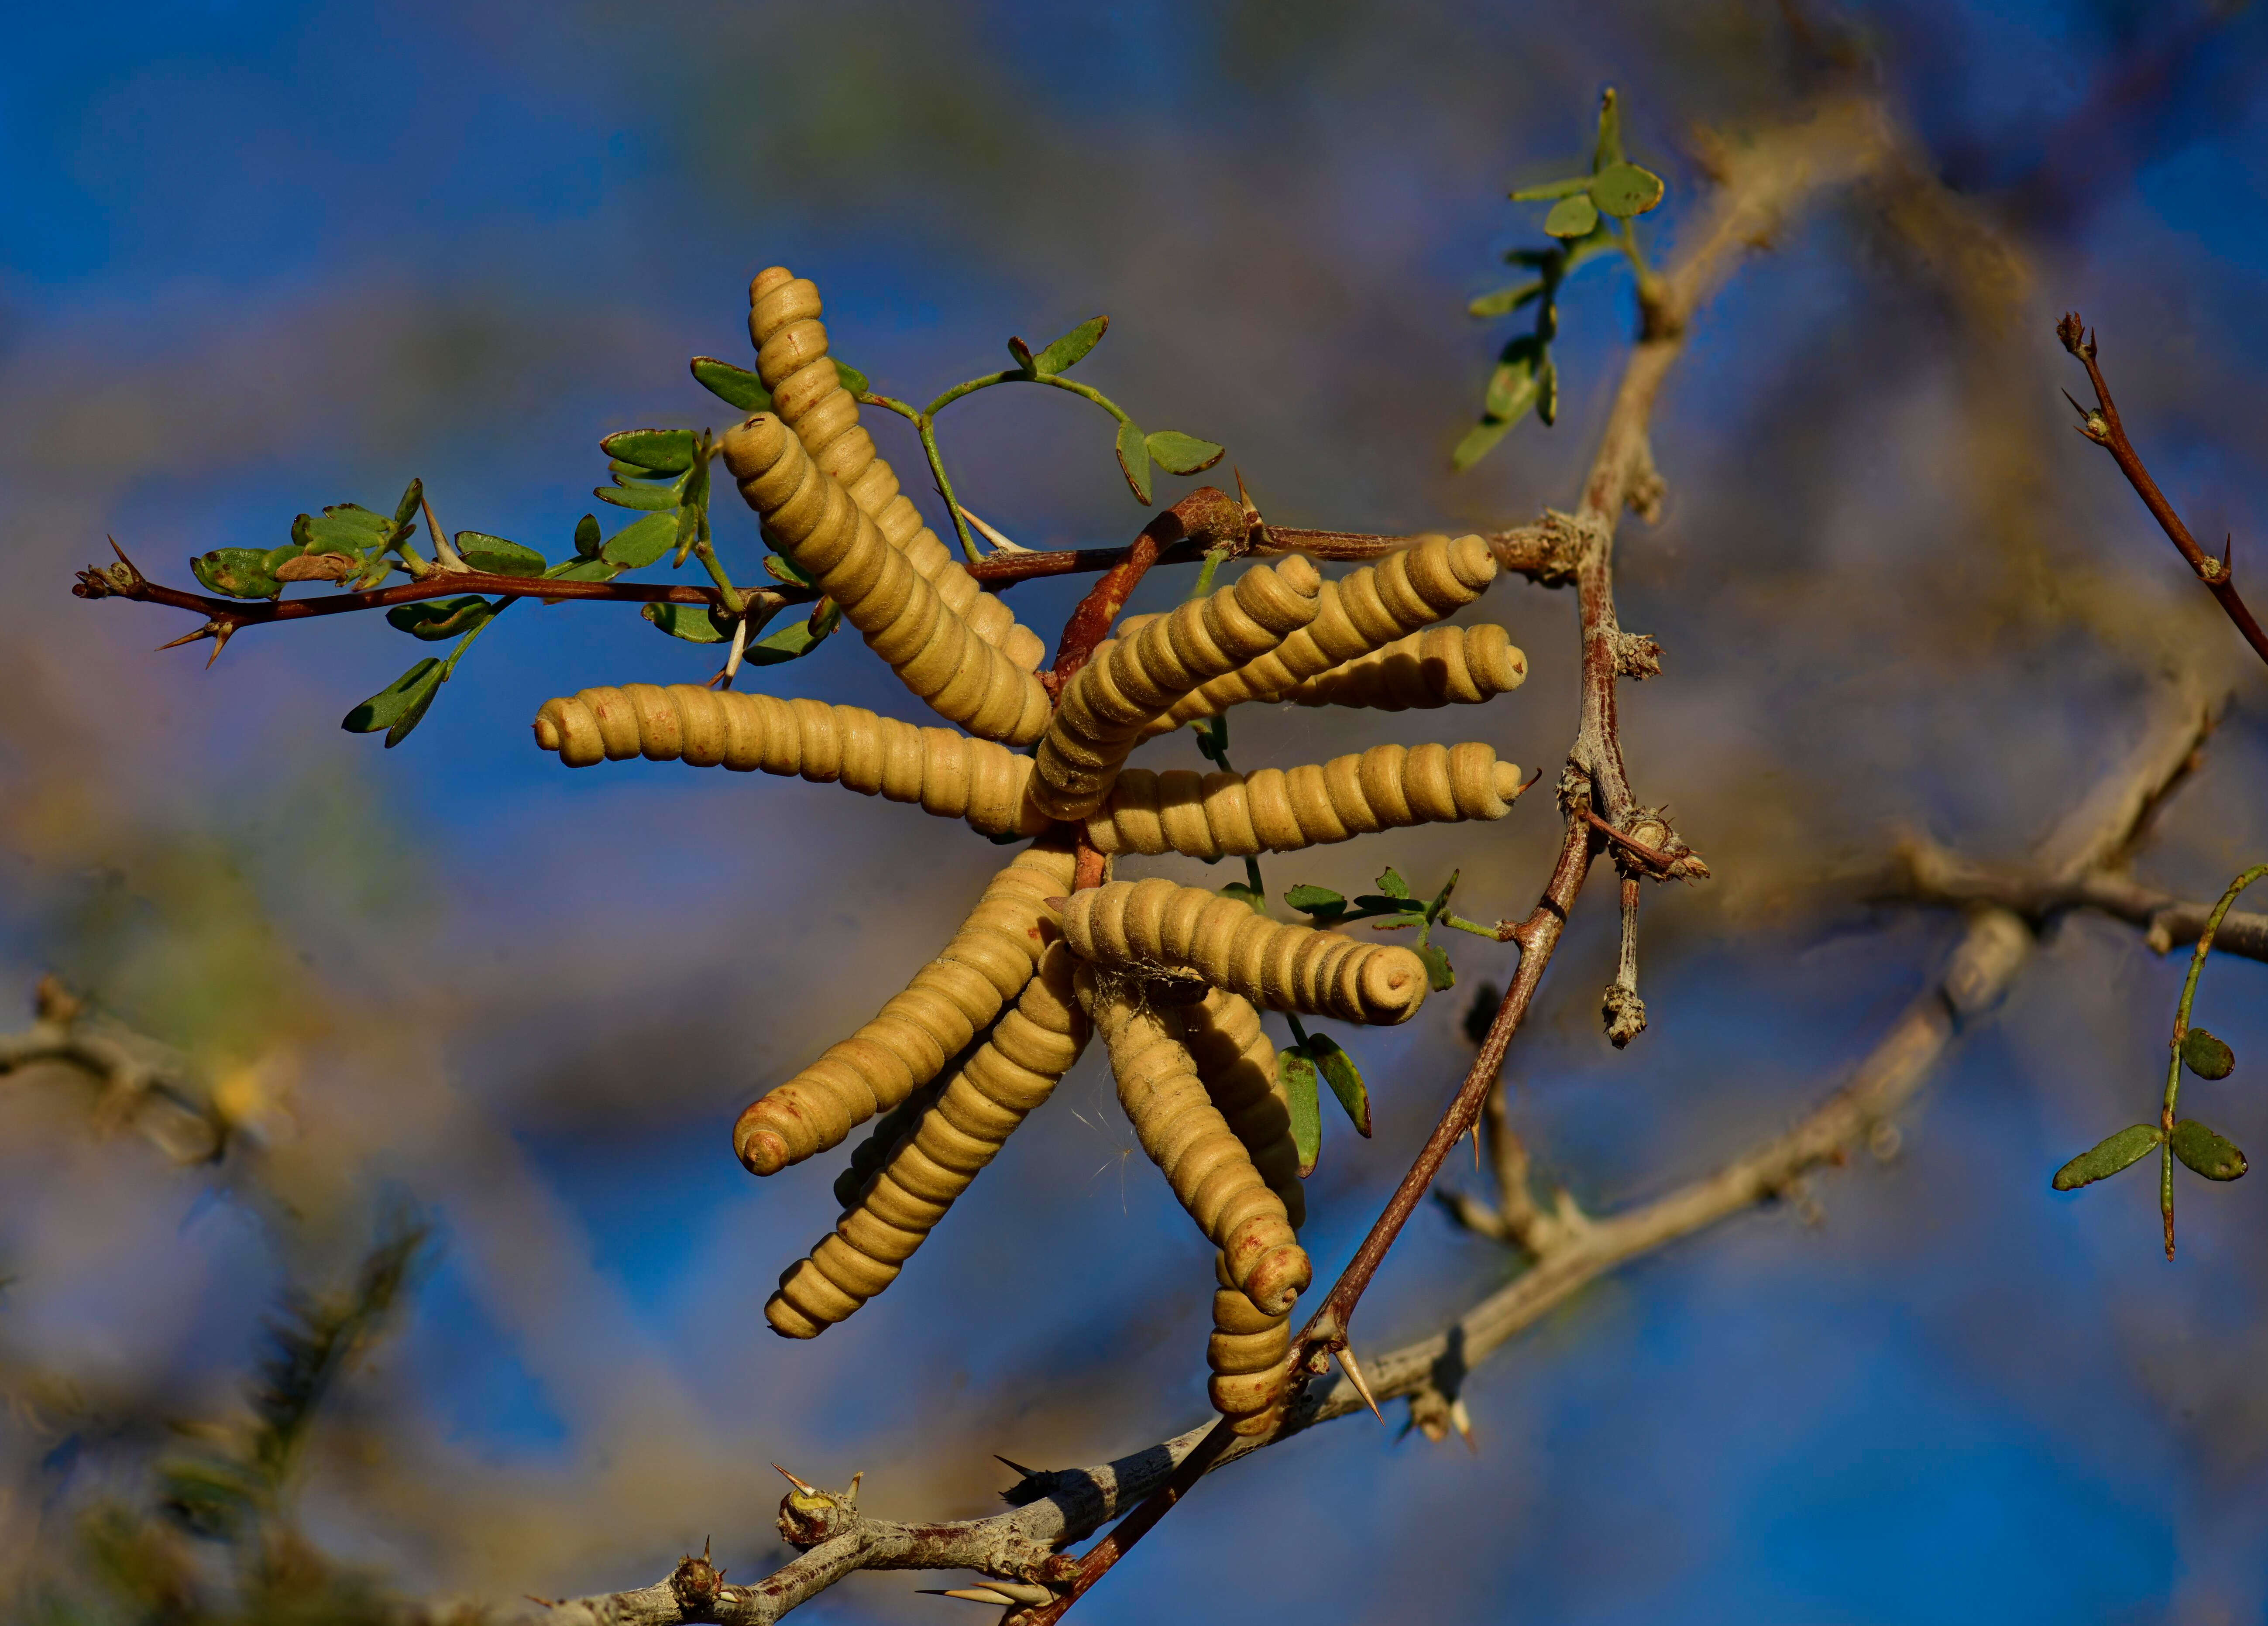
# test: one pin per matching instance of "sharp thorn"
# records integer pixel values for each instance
(2075, 406)
(850, 1495)
(1028, 1473)
(211, 628)
(1353, 1369)
(972, 1595)
(808, 1489)
(220, 643)
(704, 1550)
(1461, 1420)
(991, 536)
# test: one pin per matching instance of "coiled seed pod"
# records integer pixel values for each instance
(1249, 1353)
(1275, 810)
(900, 615)
(1187, 1137)
(982, 1103)
(792, 359)
(948, 774)
(1238, 1067)
(1130, 681)
(1153, 928)
(987, 964)
(1440, 666)
(1365, 611)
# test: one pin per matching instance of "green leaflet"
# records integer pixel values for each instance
(662, 451)
(642, 541)
(695, 623)
(1180, 454)
(1068, 351)
(1134, 459)
(1339, 1072)
(240, 573)
(497, 555)
(734, 386)
(1297, 1074)
(435, 619)
(399, 705)
(2205, 1056)
(2107, 1157)
(2206, 1153)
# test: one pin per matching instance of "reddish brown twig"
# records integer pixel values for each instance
(2103, 428)
(1090, 624)
(1098, 1558)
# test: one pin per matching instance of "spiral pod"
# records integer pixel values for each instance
(1364, 612)
(792, 359)
(1277, 810)
(1439, 666)
(1130, 681)
(1237, 1066)
(947, 773)
(1153, 928)
(987, 963)
(980, 1104)
(1187, 1137)
(1249, 1353)
(900, 615)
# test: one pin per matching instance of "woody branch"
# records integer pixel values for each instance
(1023, 1545)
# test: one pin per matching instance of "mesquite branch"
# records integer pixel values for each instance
(2103, 428)
(1568, 1252)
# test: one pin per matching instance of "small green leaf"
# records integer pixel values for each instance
(1551, 189)
(406, 510)
(852, 379)
(1023, 352)
(734, 386)
(1134, 459)
(664, 451)
(1441, 975)
(695, 623)
(793, 643)
(1609, 151)
(1478, 442)
(587, 541)
(435, 619)
(241, 573)
(1315, 900)
(336, 531)
(1572, 217)
(1503, 301)
(650, 499)
(1440, 903)
(1182, 454)
(2206, 1056)
(1512, 386)
(1392, 883)
(2205, 1151)
(1623, 190)
(498, 557)
(1250, 897)
(405, 698)
(1297, 1074)
(1068, 351)
(780, 568)
(1344, 1077)
(642, 541)
(595, 569)
(2107, 1157)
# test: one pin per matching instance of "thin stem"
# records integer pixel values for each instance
(928, 428)
(1096, 395)
(2189, 987)
(912, 415)
(2104, 427)
(1013, 375)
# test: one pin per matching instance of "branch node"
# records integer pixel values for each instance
(1625, 1015)
(1636, 656)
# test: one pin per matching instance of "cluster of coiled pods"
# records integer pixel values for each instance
(1173, 978)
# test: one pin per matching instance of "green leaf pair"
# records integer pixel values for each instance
(1064, 354)
(1298, 1068)
(2203, 1150)
(1393, 902)
(1169, 449)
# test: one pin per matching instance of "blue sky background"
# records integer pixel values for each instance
(259, 257)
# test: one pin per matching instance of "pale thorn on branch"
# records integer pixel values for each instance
(999, 541)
